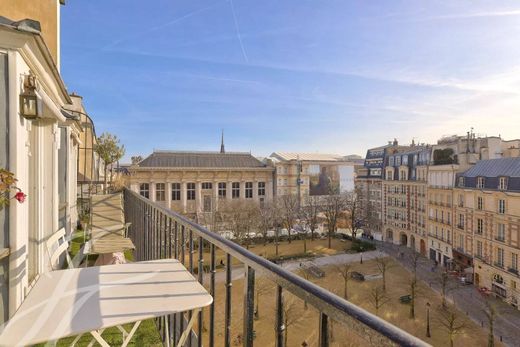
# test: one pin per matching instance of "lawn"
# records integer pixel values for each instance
(305, 321)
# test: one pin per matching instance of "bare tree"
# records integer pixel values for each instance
(309, 213)
(292, 314)
(345, 271)
(305, 274)
(288, 207)
(383, 265)
(261, 287)
(451, 321)
(415, 292)
(378, 298)
(447, 285)
(414, 259)
(490, 311)
(241, 218)
(354, 211)
(333, 207)
(266, 219)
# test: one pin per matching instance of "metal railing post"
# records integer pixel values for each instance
(249, 305)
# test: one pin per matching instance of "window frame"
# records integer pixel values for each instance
(144, 192)
(191, 190)
(160, 191)
(176, 191)
(235, 190)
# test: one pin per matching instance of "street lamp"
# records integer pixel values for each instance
(28, 98)
(428, 334)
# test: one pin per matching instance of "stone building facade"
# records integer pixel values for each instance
(404, 197)
(488, 206)
(194, 183)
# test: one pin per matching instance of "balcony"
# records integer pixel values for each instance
(500, 238)
(160, 233)
(513, 270)
(460, 226)
(498, 264)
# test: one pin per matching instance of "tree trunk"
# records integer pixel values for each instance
(345, 289)
(491, 336)
(105, 179)
(304, 243)
(312, 234)
(289, 231)
(286, 333)
(330, 239)
(384, 280)
(276, 242)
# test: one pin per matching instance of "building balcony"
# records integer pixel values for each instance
(513, 270)
(498, 264)
(460, 226)
(158, 233)
(500, 239)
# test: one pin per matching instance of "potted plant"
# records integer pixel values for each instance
(7, 186)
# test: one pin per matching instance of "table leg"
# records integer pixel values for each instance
(131, 334)
(186, 332)
(99, 339)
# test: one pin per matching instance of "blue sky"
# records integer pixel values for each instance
(295, 75)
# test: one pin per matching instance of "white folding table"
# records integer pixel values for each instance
(88, 300)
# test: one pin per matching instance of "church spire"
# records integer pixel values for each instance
(222, 150)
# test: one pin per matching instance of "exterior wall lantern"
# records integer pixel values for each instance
(28, 98)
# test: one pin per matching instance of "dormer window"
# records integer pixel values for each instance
(502, 183)
(461, 181)
(391, 161)
(480, 182)
(397, 161)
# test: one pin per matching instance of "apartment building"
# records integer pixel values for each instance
(39, 139)
(404, 197)
(194, 183)
(488, 212)
(368, 183)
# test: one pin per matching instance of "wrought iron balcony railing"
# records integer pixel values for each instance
(161, 233)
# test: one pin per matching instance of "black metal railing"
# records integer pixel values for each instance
(158, 233)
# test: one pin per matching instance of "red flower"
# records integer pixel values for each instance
(20, 196)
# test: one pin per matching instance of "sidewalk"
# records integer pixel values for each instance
(466, 298)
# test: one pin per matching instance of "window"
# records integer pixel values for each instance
(397, 161)
(160, 192)
(391, 161)
(514, 261)
(261, 188)
(222, 190)
(501, 206)
(502, 183)
(501, 232)
(480, 182)
(235, 190)
(479, 249)
(144, 190)
(500, 257)
(480, 226)
(249, 190)
(461, 181)
(461, 200)
(480, 203)
(190, 191)
(461, 221)
(207, 185)
(176, 191)
(461, 242)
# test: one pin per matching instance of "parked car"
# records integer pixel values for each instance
(358, 276)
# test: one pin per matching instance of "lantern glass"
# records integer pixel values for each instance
(29, 105)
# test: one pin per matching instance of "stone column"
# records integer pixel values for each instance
(169, 195)
(198, 196)
(255, 190)
(215, 193)
(242, 189)
(184, 195)
(152, 190)
(229, 187)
